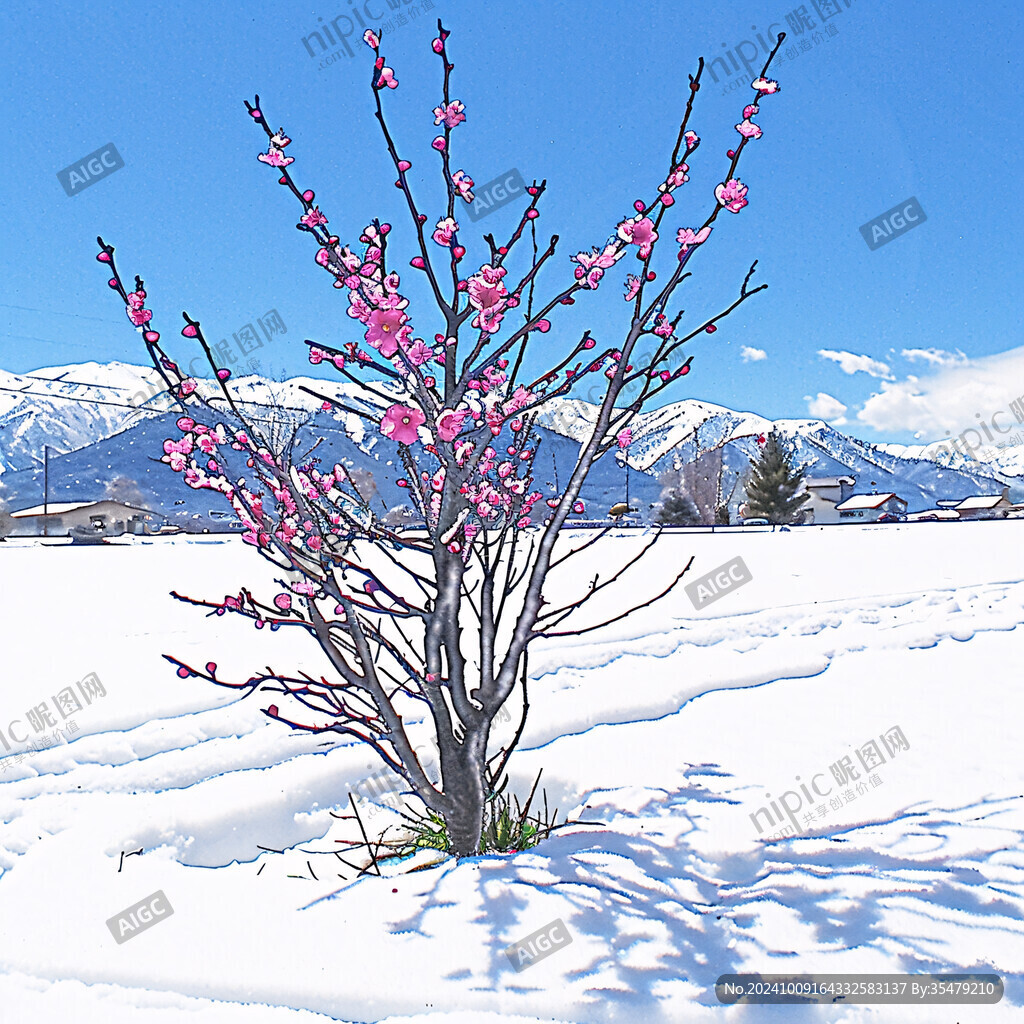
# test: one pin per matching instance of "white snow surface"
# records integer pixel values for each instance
(667, 731)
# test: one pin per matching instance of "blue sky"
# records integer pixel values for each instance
(921, 337)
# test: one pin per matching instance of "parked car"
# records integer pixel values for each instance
(891, 517)
(756, 522)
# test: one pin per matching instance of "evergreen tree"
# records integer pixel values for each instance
(773, 482)
(677, 509)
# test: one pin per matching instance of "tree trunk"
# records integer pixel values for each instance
(466, 796)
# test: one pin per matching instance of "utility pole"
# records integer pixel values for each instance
(46, 489)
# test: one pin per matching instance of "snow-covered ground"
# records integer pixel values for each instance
(672, 730)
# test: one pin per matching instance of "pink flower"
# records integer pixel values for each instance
(488, 320)
(275, 158)
(485, 289)
(676, 178)
(449, 423)
(371, 39)
(400, 423)
(632, 287)
(748, 129)
(731, 195)
(750, 110)
(382, 330)
(640, 231)
(387, 78)
(463, 182)
(687, 237)
(313, 219)
(419, 353)
(624, 437)
(139, 316)
(593, 264)
(692, 138)
(451, 115)
(764, 86)
(445, 231)
(283, 601)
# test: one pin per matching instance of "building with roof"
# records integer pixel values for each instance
(77, 518)
(826, 493)
(867, 508)
(986, 506)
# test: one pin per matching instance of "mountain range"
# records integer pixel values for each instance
(107, 422)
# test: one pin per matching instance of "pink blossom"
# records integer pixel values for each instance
(371, 39)
(520, 399)
(313, 218)
(692, 138)
(640, 231)
(676, 178)
(764, 86)
(445, 231)
(731, 195)
(750, 110)
(139, 316)
(451, 115)
(400, 423)
(748, 129)
(687, 237)
(463, 182)
(486, 290)
(449, 423)
(488, 320)
(624, 437)
(632, 287)
(387, 78)
(283, 601)
(593, 264)
(275, 157)
(419, 353)
(382, 330)
(663, 329)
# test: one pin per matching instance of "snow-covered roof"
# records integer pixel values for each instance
(56, 508)
(828, 481)
(867, 501)
(933, 513)
(981, 501)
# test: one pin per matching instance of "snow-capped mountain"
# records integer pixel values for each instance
(105, 420)
(681, 431)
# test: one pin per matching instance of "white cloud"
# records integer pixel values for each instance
(935, 356)
(849, 362)
(825, 407)
(753, 355)
(956, 398)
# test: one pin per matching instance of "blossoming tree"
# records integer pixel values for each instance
(430, 628)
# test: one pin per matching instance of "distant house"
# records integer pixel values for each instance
(99, 518)
(933, 515)
(826, 493)
(866, 508)
(986, 506)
